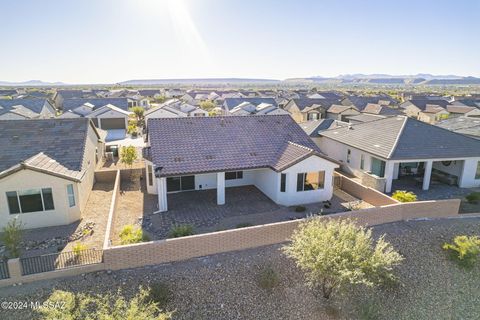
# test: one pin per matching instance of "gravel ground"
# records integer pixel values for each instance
(225, 286)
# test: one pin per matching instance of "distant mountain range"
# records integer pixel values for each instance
(418, 79)
(31, 83)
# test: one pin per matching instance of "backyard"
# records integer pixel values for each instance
(226, 286)
(244, 206)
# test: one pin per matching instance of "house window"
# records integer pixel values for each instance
(198, 115)
(233, 175)
(150, 175)
(310, 181)
(349, 154)
(71, 195)
(312, 116)
(362, 161)
(182, 183)
(283, 182)
(477, 174)
(378, 167)
(32, 200)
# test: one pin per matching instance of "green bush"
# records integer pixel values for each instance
(404, 196)
(130, 234)
(161, 294)
(464, 249)
(244, 225)
(12, 235)
(300, 209)
(78, 248)
(473, 197)
(268, 279)
(181, 231)
(79, 306)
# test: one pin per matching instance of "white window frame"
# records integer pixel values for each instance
(71, 195)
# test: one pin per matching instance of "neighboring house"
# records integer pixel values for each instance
(107, 117)
(61, 95)
(230, 103)
(315, 127)
(341, 113)
(246, 108)
(21, 109)
(381, 110)
(465, 125)
(72, 104)
(47, 170)
(360, 102)
(150, 93)
(174, 108)
(426, 110)
(7, 93)
(307, 109)
(382, 151)
(270, 152)
(457, 110)
(325, 95)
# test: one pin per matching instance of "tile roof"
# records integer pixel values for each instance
(70, 104)
(54, 145)
(34, 106)
(464, 125)
(378, 109)
(212, 144)
(231, 103)
(403, 138)
(312, 128)
(423, 103)
(460, 109)
(305, 103)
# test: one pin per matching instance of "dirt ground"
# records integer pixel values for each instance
(133, 202)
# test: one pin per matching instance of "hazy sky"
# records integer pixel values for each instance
(105, 41)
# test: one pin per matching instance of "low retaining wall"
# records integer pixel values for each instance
(370, 195)
(105, 176)
(169, 250)
(113, 207)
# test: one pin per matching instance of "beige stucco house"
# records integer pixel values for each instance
(47, 170)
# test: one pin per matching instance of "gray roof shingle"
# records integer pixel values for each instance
(403, 138)
(209, 144)
(55, 145)
(231, 103)
(34, 105)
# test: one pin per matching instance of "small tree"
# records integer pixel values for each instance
(128, 155)
(207, 105)
(404, 196)
(12, 237)
(334, 253)
(465, 249)
(138, 111)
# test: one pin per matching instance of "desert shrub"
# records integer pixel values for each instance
(267, 278)
(404, 196)
(131, 234)
(368, 310)
(78, 248)
(11, 237)
(473, 197)
(464, 249)
(356, 258)
(161, 294)
(76, 306)
(244, 225)
(181, 231)
(300, 209)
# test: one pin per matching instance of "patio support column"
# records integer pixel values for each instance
(427, 175)
(99, 120)
(162, 194)
(389, 166)
(126, 123)
(220, 188)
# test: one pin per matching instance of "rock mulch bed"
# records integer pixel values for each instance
(225, 286)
